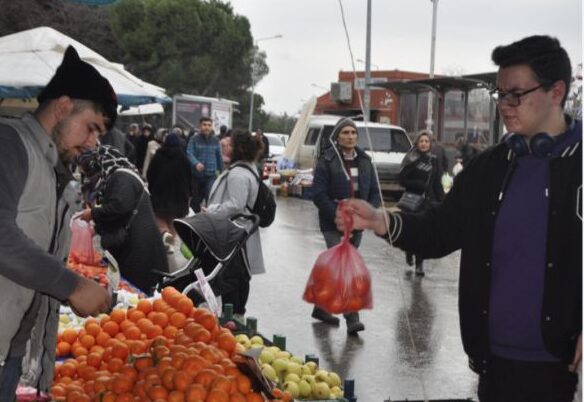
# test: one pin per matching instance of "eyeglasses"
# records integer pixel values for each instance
(512, 98)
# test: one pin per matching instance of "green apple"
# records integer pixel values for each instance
(255, 346)
(269, 372)
(280, 365)
(297, 359)
(274, 349)
(294, 368)
(256, 339)
(292, 377)
(293, 388)
(283, 355)
(321, 390)
(304, 388)
(266, 356)
(312, 366)
(306, 369)
(321, 375)
(242, 338)
(337, 392)
(333, 380)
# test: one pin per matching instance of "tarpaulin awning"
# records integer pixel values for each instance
(30, 58)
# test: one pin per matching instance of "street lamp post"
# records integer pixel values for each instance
(429, 120)
(251, 101)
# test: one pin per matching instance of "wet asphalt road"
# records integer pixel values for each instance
(385, 361)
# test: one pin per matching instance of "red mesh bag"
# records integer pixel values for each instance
(340, 282)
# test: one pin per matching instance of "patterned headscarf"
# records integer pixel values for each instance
(101, 163)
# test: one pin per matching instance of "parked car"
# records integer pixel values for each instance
(277, 145)
(389, 144)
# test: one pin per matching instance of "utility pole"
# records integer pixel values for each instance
(367, 91)
(430, 119)
(253, 72)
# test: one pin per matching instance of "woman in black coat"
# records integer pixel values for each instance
(169, 181)
(123, 205)
(421, 174)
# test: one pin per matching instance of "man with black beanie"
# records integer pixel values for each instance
(75, 107)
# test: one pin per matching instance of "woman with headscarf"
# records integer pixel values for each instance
(169, 181)
(153, 146)
(123, 216)
(421, 174)
(343, 171)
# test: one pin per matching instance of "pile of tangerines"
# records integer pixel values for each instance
(165, 350)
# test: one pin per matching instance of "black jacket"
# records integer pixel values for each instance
(331, 184)
(144, 250)
(466, 221)
(169, 179)
(421, 174)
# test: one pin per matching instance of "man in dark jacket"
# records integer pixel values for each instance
(204, 153)
(342, 172)
(516, 214)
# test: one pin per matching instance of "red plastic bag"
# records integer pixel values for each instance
(81, 250)
(340, 282)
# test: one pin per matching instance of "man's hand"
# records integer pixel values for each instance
(577, 356)
(200, 167)
(89, 298)
(364, 216)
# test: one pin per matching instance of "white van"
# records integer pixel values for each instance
(390, 144)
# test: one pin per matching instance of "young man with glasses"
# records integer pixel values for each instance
(515, 214)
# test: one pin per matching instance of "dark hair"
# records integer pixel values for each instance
(246, 147)
(205, 118)
(543, 54)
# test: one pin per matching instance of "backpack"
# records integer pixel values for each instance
(265, 204)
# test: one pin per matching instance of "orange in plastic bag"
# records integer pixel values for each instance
(340, 282)
(81, 250)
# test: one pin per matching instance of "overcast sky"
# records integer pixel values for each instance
(313, 48)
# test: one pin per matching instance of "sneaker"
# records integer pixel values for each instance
(353, 324)
(420, 270)
(325, 317)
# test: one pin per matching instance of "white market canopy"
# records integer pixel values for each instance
(30, 58)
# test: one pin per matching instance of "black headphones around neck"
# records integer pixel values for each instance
(539, 145)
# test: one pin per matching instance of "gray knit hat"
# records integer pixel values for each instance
(344, 122)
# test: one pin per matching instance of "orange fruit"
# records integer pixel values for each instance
(217, 395)
(102, 338)
(185, 306)
(125, 324)
(118, 315)
(92, 328)
(133, 332)
(121, 351)
(182, 380)
(254, 397)
(122, 384)
(144, 306)
(125, 397)
(208, 321)
(79, 351)
(154, 331)
(177, 319)
(176, 396)
(87, 341)
(144, 324)
(158, 305)
(157, 392)
(115, 364)
(202, 335)
(63, 348)
(237, 397)
(195, 393)
(221, 382)
(205, 377)
(243, 384)
(94, 360)
(134, 315)
(160, 319)
(129, 372)
(226, 341)
(69, 335)
(142, 363)
(170, 331)
(111, 328)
